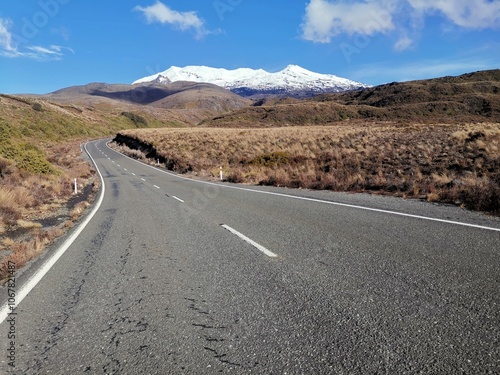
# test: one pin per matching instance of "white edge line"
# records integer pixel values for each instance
(250, 241)
(42, 271)
(179, 199)
(320, 200)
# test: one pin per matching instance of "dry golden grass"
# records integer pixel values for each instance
(26, 224)
(26, 198)
(22, 252)
(6, 243)
(77, 211)
(446, 163)
(24, 194)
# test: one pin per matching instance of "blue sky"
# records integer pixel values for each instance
(46, 45)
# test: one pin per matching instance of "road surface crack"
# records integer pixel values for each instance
(73, 293)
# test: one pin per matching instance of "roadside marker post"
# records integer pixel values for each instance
(76, 187)
(221, 173)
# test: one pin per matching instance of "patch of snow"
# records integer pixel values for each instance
(291, 79)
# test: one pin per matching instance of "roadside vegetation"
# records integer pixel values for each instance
(458, 164)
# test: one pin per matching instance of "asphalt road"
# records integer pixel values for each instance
(173, 276)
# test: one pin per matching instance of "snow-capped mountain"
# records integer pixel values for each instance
(291, 81)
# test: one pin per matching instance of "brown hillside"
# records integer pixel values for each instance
(471, 97)
(184, 102)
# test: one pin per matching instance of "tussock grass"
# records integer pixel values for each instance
(28, 197)
(458, 164)
(21, 252)
(28, 224)
(77, 211)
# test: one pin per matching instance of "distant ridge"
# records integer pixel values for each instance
(472, 97)
(187, 102)
(293, 81)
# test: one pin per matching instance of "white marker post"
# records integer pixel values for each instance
(221, 173)
(76, 187)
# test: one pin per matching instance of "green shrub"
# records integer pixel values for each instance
(27, 157)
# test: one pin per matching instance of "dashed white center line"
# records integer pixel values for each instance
(156, 186)
(180, 200)
(118, 165)
(133, 174)
(125, 169)
(143, 179)
(250, 241)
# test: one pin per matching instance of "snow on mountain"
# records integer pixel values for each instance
(291, 81)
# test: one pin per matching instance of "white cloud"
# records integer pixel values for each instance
(10, 50)
(52, 50)
(46, 53)
(5, 35)
(403, 43)
(477, 14)
(161, 13)
(325, 19)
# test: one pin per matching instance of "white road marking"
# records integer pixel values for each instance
(250, 241)
(156, 186)
(42, 271)
(143, 179)
(323, 201)
(125, 169)
(180, 200)
(133, 174)
(118, 165)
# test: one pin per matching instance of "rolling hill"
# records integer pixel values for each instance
(184, 102)
(468, 98)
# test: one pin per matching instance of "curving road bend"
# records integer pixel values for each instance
(174, 276)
